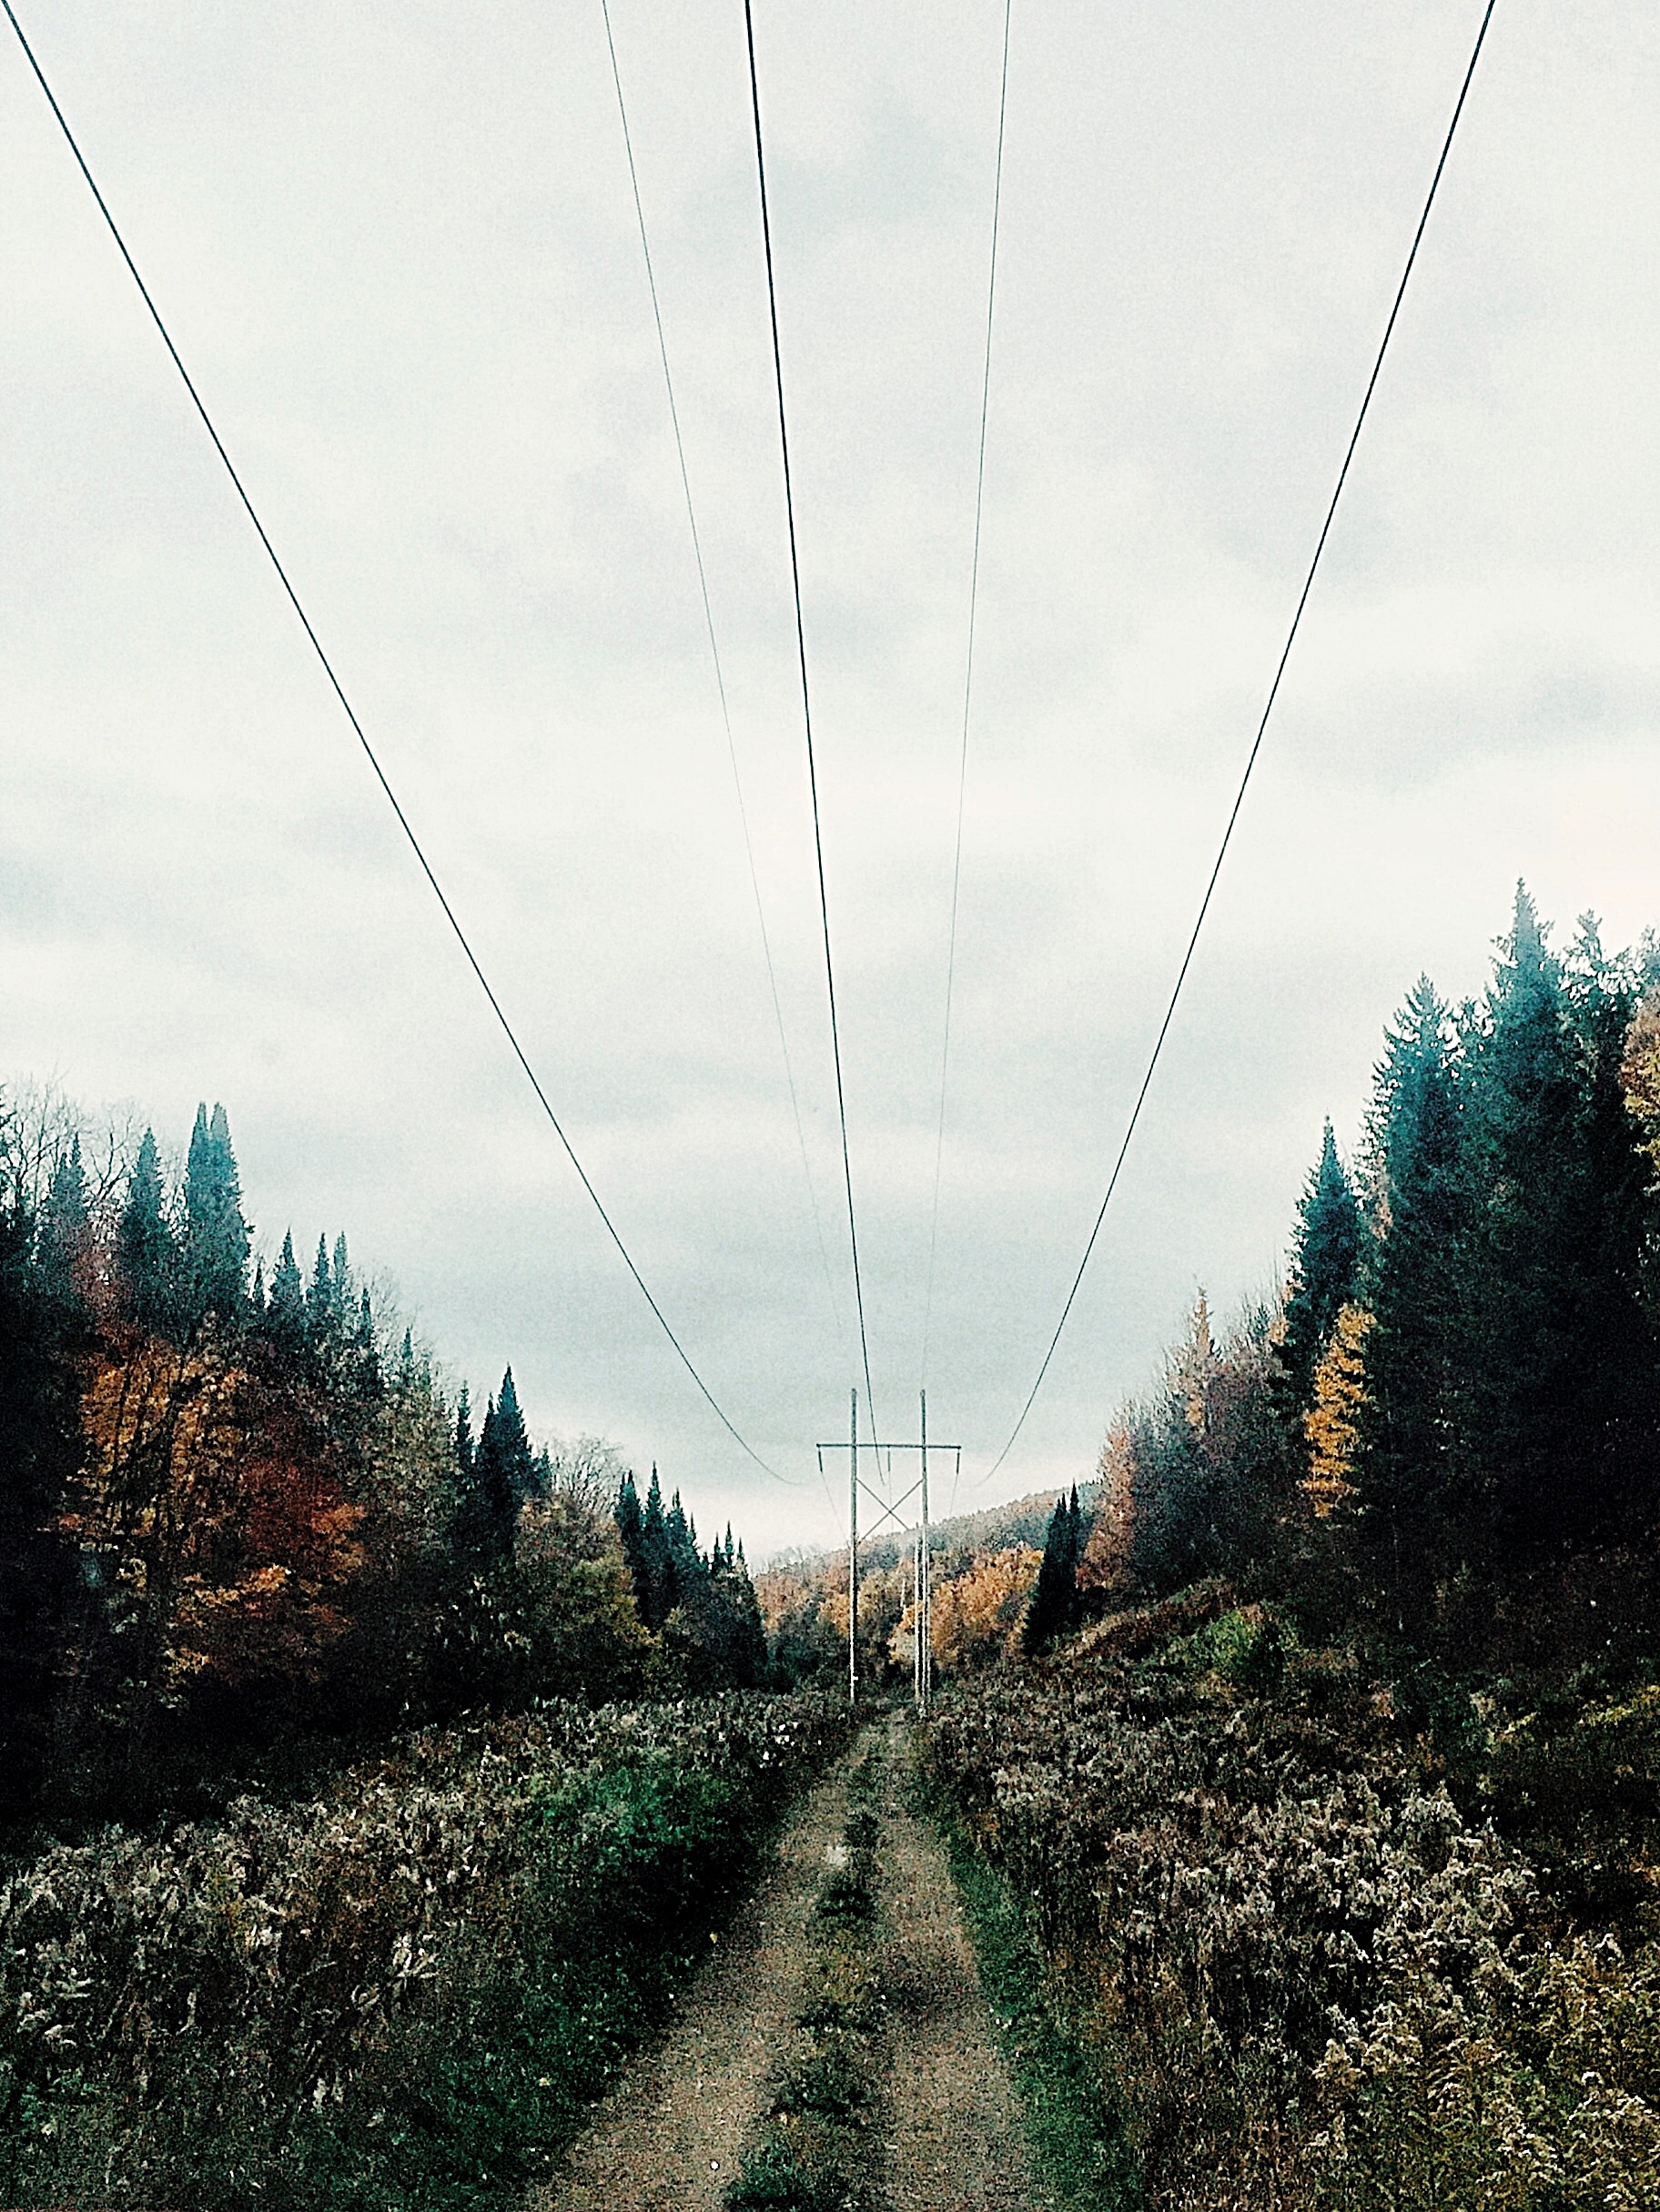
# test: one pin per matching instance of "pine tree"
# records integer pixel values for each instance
(216, 1236)
(465, 1446)
(1324, 1270)
(149, 1255)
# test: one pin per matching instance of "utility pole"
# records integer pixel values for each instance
(921, 1557)
(852, 1555)
(925, 1582)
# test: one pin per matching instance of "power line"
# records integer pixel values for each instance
(806, 708)
(368, 752)
(714, 655)
(962, 771)
(1273, 693)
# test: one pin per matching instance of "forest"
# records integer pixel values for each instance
(240, 1510)
(1326, 1756)
(1299, 1767)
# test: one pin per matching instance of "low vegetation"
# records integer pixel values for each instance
(402, 1992)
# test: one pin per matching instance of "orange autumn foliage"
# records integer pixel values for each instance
(975, 1613)
(209, 1507)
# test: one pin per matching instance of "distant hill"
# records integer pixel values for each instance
(995, 1528)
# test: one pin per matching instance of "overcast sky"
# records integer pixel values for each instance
(397, 248)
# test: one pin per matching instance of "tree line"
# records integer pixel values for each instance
(1449, 1418)
(239, 1506)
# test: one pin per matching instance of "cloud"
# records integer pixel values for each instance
(404, 271)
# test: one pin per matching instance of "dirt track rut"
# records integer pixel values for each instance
(669, 2137)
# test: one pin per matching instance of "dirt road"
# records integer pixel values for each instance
(670, 2136)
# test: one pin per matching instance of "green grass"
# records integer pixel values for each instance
(1075, 2130)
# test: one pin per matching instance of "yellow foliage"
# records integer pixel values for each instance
(975, 1613)
(1106, 1550)
(1332, 1424)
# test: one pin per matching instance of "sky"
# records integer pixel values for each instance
(397, 248)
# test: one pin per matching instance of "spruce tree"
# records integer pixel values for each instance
(284, 1312)
(149, 1256)
(502, 1474)
(1324, 1270)
(630, 1529)
(366, 1350)
(321, 1313)
(65, 1228)
(489, 1508)
(1531, 1160)
(513, 1443)
(1053, 1606)
(465, 1446)
(216, 1236)
(660, 1591)
(1417, 1475)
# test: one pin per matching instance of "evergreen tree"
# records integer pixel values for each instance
(216, 1236)
(484, 1520)
(149, 1255)
(687, 1562)
(630, 1529)
(1616, 1319)
(1563, 1366)
(514, 1444)
(1416, 1471)
(1053, 1607)
(322, 1314)
(64, 1228)
(285, 1305)
(659, 1590)
(464, 1447)
(366, 1350)
(1324, 1270)
(1528, 1285)
(502, 1475)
